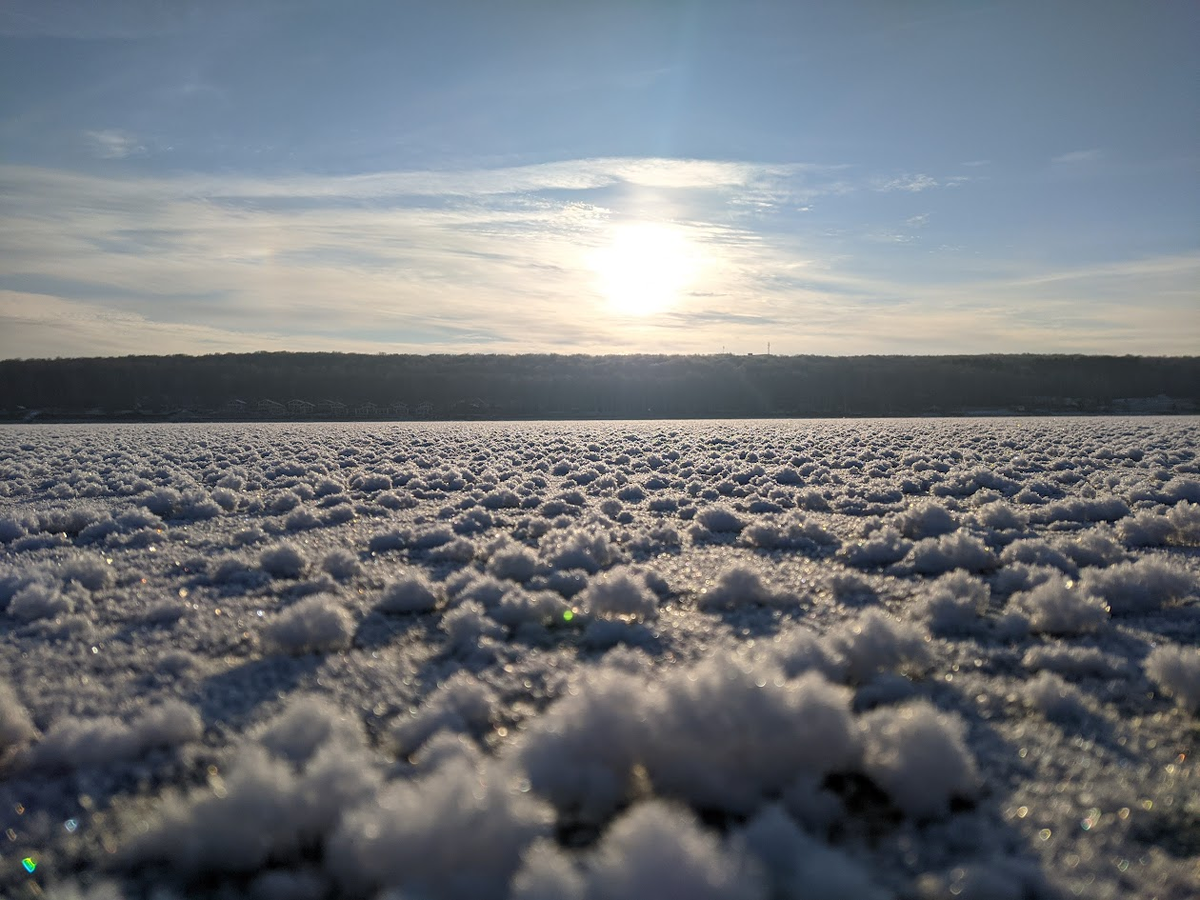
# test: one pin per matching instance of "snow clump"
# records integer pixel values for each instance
(1141, 586)
(660, 850)
(579, 549)
(720, 519)
(455, 834)
(1176, 670)
(72, 743)
(1061, 606)
(926, 519)
(316, 624)
(954, 603)
(462, 705)
(739, 585)
(16, 728)
(1055, 699)
(309, 723)
(933, 556)
(283, 561)
(875, 642)
(585, 752)
(919, 756)
(43, 600)
(412, 592)
(620, 593)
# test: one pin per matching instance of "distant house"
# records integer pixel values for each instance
(366, 410)
(300, 408)
(235, 408)
(332, 409)
(271, 408)
(424, 410)
(400, 410)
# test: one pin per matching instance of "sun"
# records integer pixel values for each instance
(644, 268)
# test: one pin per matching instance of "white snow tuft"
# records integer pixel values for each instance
(316, 624)
(954, 603)
(736, 586)
(875, 642)
(283, 561)
(882, 548)
(412, 592)
(547, 873)
(919, 756)
(720, 519)
(43, 600)
(456, 834)
(581, 548)
(75, 743)
(1176, 670)
(620, 593)
(516, 563)
(16, 728)
(1055, 699)
(1060, 606)
(1143, 585)
(583, 753)
(309, 723)
(260, 809)
(659, 850)
(926, 519)
(462, 704)
(933, 556)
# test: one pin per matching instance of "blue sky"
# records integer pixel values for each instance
(859, 177)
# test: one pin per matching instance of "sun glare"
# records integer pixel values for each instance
(644, 268)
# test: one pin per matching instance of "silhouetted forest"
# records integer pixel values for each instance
(347, 386)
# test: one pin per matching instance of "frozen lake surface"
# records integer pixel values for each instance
(768, 659)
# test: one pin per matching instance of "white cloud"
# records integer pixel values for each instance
(911, 183)
(112, 143)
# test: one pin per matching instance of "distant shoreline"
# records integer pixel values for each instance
(347, 387)
(169, 420)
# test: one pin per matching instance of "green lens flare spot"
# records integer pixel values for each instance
(29, 863)
(568, 615)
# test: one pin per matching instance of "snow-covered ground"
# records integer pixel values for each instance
(815, 659)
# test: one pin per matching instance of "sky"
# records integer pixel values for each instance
(658, 176)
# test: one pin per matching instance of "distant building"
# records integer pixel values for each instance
(271, 408)
(235, 408)
(366, 410)
(424, 410)
(400, 410)
(300, 408)
(332, 409)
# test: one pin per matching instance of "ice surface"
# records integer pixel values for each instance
(919, 659)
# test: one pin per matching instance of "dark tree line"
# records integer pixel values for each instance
(580, 386)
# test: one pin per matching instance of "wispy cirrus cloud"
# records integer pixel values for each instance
(911, 183)
(112, 143)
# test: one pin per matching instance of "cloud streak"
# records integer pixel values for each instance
(111, 143)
